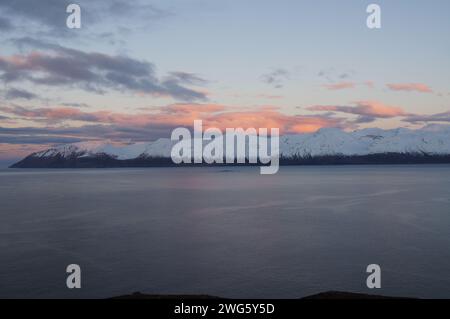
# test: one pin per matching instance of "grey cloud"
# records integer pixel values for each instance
(51, 14)
(75, 104)
(49, 135)
(439, 117)
(365, 119)
(331, 75)
(173, 87)
(14, 93)
(37, 139)
(96, 72)
(276, 78)
(187, 78)
(5, 24)
(327, 74)
(50, 115)
(115, 131)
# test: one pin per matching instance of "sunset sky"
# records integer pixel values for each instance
(133, 72)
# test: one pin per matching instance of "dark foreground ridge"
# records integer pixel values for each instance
(329, 295)
(107, 161)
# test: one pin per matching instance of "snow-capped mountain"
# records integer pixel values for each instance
(430, 141)
(158, 148)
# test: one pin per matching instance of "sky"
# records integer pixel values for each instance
(136, 70)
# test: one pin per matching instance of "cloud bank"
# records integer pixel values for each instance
(55, 66)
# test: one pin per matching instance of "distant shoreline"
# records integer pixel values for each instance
(106, 161)
(328, 295)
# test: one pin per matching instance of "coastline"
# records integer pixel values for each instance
(327, 295)
(106, 161)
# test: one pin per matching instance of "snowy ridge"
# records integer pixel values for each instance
(159, 148)
(432, 140)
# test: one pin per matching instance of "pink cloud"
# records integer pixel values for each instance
(417, 87)
(363, 108)
(271, 119)
(213, 115)
(340, 86)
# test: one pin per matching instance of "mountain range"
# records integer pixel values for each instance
(430, 144)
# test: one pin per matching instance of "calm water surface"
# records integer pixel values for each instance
(226, 232)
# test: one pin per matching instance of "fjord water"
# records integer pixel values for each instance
(228, 232)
